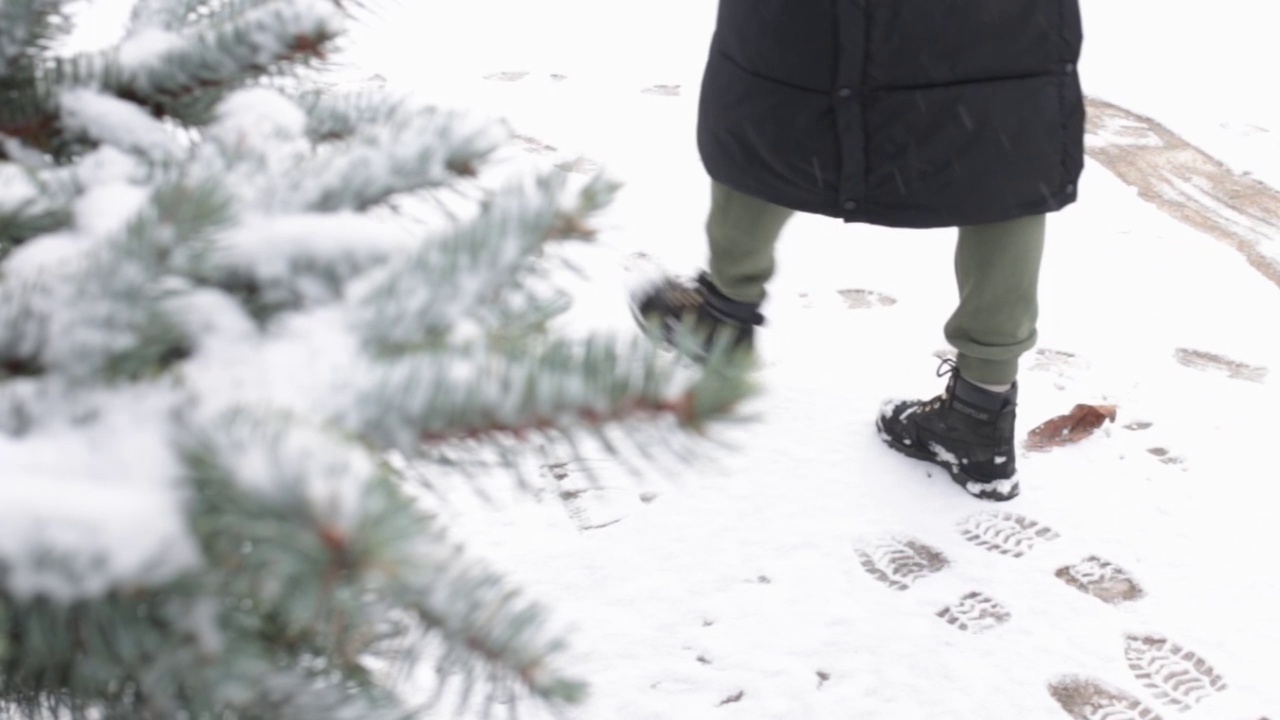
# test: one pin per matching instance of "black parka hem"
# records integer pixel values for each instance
(989, 146)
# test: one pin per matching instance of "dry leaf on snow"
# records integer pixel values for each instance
(1070, 428)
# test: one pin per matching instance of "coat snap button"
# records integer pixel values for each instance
(850, 205)
(1071, 189)
(1069, 68)
(844, 92)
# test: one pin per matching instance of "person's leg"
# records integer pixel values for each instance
(997, 274)
(742, 232)
(723, 302)
(970, 428)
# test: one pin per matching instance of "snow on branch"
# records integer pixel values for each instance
(334, 116)
(291, 261)
(117, 122)
(255, 472)
(27, 25)
(177, 14)
(74, 494)
(26, 208)
(92, 308)
(426, 149)
(480, 265)
(520, 390)
(488, 625)
(173, 69)
(160, 14)
(223, 310)
(453, 276)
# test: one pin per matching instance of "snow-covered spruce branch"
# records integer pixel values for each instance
(180, 73)
(339, 115)
(180, 663)
(276, 263)
(184, 73)
(176, 15)
(523, 310)
(25, 114)
(28, 206)
(467, 270)
(104, 312)
(310, 563)
(28, 27)
(291, 694)
(425, 149)
(27, 221)
(359, 553)
(521, 390)
(285, 160)
(198, 514)
(162, 14)
(119, 123)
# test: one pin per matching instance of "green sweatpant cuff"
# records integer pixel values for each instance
(742, 232)
(988, 372)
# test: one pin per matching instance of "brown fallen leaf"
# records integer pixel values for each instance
(1073, 427)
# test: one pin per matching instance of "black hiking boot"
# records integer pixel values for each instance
(695, 317)
(967, 430)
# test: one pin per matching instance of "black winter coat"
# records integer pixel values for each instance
(902, 113)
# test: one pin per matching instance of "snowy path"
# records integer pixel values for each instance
(811, 573)
(1188, 183)
(816, 575)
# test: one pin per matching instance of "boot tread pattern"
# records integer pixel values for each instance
(1102, 579)
(898, 563)
(1173, 674)
(1088, 699)
(1006, 533)
(975, 613)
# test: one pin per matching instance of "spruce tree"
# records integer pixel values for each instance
(239, 312)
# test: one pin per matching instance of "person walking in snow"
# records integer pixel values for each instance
(905, 114)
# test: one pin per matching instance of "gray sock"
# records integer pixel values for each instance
(994, 388)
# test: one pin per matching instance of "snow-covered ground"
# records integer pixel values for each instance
(1202, 70)
(760, 583)
(811, 573)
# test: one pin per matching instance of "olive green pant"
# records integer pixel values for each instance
(997, 273)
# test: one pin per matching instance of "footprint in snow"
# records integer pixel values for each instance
(1089, 699)
(1172, 674)
(662, 90)
(734, 698)
(580, 165)
(511, 76)
(866, 299)
(1061, 363)
(589, 505)
(1212, 362)
(532, 145)
(898, 563)
(1005, 533)
(1102, 579)
(1165, 456)
(507, 76)
(1057, 361)
(1244, 129)
(975, 613)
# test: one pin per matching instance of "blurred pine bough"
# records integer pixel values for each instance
(215, 336)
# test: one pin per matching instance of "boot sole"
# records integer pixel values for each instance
(661, 339)
(993, 490)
